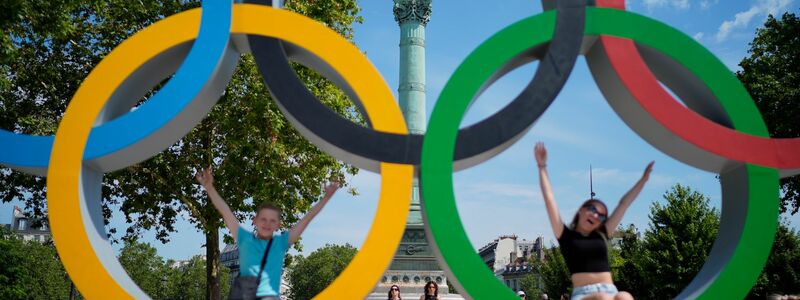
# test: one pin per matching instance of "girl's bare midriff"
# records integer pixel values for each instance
(587, 278)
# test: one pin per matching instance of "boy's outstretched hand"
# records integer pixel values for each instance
(331, 188)
(205, 177)
(294, 234)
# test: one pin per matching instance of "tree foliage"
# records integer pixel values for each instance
(674, 247)
(51, 46)
(781, 275)
(555, 274)
(772, 76)
(661, 262)
(30, 269)
(145, 267)
(188, 281)
(167, 280)
(530, 285)
(310, 275)
(628, 274)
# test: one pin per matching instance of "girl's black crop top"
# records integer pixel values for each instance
(584, 253)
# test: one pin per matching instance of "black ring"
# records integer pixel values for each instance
(367, 148)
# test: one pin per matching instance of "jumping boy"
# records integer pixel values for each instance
(266, 245)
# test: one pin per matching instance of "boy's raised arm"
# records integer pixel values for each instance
(298, 228)
(206, 178)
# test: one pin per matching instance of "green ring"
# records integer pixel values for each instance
(443, 223)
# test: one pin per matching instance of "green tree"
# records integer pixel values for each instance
(674, 247)
(554, 272)
(781, 275)
(772, 76)
(167, 279)
(30, 269)
(629, 272)
(145, 267)
(187, 280)
(13, 273)
(530, 284)
(258, 155)
(310, 275)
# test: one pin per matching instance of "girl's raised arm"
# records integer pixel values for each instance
(547, 190)
(616, 217)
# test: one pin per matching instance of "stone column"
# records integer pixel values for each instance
(414, 263)
(412, 16)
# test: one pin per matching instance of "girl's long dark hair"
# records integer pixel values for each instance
(435, 286)
(602, 228)
(389, 297)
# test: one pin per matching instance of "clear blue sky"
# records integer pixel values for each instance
(501, 196)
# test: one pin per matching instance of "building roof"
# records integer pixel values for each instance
(488, 248)
(229, 248)
(517, 269)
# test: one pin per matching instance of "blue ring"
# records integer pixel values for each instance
(30, 152)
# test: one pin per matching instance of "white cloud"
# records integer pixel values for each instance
(706, 4)
(679, 4)
(698, 36)
(742, 19)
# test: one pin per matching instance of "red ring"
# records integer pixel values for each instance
(780, 153)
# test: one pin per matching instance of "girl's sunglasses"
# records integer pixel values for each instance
(593, 209)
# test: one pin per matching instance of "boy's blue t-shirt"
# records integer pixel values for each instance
(251, 251)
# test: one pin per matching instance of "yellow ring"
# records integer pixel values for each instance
(63, 184)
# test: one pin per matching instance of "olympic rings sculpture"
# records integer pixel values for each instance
(719, 129)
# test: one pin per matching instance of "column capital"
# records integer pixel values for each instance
(412, 10)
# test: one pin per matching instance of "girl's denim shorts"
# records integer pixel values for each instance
(585, 290)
